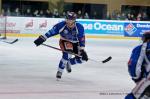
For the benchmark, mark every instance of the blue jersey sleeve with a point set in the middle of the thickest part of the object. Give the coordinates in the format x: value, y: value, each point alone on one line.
x: 135, y: 64
x: 81, y: 35
x: 55, y: 30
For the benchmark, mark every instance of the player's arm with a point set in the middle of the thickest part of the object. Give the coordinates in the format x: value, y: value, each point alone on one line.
x: 135, y: 64
x: 81, y: 38
x: 42, y: 38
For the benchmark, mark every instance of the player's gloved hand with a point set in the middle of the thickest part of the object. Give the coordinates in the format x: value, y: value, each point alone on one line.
x: 84, y: 55
x: 39, y: 40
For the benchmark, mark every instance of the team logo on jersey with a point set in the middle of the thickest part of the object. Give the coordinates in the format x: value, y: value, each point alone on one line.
x: 130, y: 29
x: 65, y: 31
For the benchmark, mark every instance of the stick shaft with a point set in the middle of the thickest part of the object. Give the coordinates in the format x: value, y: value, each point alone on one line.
x: 61, y: 50
x: 104, y: 61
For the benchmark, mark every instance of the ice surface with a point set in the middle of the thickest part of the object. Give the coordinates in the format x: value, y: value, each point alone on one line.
x: 28, y: 72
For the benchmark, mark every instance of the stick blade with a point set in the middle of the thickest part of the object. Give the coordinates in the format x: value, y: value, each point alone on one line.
x: 14, y: 41
x: 106, y: 60
x: 10, y: 42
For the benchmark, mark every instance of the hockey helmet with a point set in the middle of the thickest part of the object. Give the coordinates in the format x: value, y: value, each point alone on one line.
x: 71, y: 16
x: 146, y: 36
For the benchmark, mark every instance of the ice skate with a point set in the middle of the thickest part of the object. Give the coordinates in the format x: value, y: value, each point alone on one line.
x: 68, y: 68
x: 58, y: 75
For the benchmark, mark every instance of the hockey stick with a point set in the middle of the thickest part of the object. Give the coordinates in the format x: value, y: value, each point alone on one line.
x: 10, y: 42
x: 103, y: 61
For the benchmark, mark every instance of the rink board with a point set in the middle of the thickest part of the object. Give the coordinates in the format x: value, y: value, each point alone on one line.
x: 33, y: 27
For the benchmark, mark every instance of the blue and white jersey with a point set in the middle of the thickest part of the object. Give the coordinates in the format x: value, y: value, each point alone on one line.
x: 139, y: 63
x: 73, y: 35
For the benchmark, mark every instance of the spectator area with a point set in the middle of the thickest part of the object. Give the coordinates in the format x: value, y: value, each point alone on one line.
x: 83, y: 10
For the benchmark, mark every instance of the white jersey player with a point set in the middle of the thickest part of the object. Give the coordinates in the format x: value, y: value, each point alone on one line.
x: 139, y: 69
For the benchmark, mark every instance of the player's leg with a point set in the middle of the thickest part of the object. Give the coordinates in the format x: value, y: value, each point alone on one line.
x: 143, y: 95
x: 75, y: 60
x: 146, y: 93
x: 67, y: 46
x: 130, y: 96
x: 62, y: 64
x: 68, y: 67
x: 142, y: 89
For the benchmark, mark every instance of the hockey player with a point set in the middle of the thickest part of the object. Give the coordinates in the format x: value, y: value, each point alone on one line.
x: 139, y: 69
x: 72, y: 39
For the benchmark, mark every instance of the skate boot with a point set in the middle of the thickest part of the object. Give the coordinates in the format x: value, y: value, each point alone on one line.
x: 68, y: 68
x: 58, y: 75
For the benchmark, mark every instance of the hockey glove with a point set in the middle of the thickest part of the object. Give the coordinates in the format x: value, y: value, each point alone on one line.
x: 39, y: 40
x: 84, y: 55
